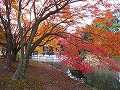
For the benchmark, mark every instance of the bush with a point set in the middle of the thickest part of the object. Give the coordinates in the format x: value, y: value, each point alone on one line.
x: 77, y: 73
x: 103, y: 80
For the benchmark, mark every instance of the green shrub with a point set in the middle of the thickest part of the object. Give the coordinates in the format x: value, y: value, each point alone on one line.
x: 77, y: 73
x: 103, y: 80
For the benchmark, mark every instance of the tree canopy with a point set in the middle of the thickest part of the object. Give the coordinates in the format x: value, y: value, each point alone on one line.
x: 27, y: 24
x: 92, y: 44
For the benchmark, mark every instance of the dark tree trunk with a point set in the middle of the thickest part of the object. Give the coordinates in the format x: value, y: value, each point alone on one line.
x: 14, y: 55
x: 8, y: 61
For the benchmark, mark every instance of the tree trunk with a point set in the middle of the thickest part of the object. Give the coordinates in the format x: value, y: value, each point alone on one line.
x: 14, y: 55
x: 8, y: 61
x: 20, y: 72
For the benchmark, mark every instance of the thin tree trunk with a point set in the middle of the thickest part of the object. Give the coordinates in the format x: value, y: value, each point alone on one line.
x: 8, y: 61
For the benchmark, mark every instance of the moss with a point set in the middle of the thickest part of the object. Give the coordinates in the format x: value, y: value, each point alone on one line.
x: 29, y: 83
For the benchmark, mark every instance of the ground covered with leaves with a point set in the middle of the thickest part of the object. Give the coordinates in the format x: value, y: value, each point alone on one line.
x: 39, y: 76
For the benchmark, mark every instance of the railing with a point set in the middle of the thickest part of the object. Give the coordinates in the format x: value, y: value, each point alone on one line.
x: 45, y: 58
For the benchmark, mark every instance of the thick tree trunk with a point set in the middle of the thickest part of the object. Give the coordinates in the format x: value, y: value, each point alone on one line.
x: 20, y: 72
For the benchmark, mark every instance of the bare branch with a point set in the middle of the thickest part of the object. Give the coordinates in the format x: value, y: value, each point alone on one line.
x: 26, y: 4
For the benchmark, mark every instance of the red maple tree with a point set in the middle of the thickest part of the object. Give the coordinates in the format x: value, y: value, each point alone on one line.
x: 101, y: 45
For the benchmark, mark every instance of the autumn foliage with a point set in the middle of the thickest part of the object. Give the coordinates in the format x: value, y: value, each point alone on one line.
x: 107, y: 40
x: 107, y: 19
x: 27, y: 24
x: 101, y: 44
x: 74, y: 58
x: 2, y: 35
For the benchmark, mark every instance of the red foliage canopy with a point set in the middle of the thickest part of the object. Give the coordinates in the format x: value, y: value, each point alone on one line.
x: 76, y: 50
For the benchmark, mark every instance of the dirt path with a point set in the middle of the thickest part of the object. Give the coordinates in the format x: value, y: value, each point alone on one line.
x: 53, y: 79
